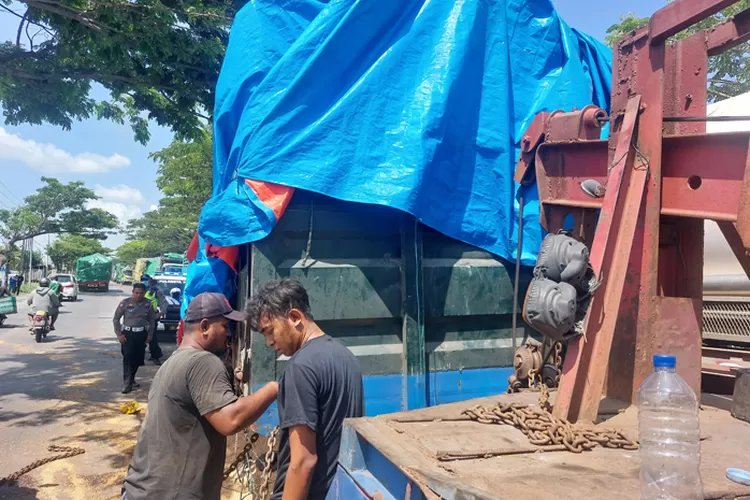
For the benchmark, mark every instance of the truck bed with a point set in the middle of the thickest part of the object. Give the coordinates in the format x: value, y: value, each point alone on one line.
x: 395, y: 456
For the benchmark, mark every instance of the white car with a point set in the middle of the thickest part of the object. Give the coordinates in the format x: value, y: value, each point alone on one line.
x: 68, y: 286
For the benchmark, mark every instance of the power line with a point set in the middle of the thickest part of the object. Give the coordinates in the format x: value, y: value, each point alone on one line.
x: 13, y: 196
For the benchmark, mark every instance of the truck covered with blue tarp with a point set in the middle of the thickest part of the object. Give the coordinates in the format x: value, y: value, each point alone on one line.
x: 367, y: 147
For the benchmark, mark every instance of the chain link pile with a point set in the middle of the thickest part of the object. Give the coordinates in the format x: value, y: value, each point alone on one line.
x: 64, y: 452
x: 543, y: 429
x: 245, y: 467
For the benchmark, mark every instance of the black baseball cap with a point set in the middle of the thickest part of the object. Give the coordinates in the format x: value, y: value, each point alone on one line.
x: 211, y: 305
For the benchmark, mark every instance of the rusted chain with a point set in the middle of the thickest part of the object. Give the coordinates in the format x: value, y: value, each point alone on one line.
x: 242, y: 455
x: 249, y: 466
x: 265, y: 486
x: 543, y: 429
x: 64, y: 452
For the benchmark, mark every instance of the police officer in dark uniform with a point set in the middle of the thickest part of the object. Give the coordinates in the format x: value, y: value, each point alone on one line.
x: 138, y: 320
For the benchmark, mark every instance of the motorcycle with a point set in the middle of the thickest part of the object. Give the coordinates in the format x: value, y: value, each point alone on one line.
x: 40, y: 325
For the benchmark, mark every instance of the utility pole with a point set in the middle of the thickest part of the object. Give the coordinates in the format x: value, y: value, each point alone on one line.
x: 31, y: 257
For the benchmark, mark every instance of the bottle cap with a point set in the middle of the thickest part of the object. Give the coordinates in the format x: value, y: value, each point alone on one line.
x: 664, y: 361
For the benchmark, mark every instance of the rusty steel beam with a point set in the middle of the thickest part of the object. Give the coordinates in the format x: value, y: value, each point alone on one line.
x: 682, y: 14
x: 729, y: 34
x: 610, y: 253
x: 703, y: 175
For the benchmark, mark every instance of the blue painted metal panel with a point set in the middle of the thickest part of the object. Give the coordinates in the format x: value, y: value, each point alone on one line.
x: 382, y: 392
x: 343, y: 487
x: 371, y: 472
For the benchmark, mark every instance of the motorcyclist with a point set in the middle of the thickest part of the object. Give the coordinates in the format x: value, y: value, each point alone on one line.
x: 176, y: 293
x: 44, y: 299
x: 54, y: 285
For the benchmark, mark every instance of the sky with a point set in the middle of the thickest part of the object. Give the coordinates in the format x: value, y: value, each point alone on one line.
x: 104, y: 155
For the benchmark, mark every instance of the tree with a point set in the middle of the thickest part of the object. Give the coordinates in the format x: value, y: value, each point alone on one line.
x: 18, y: 259
x: 70, y: 247
x: 56, y: 208
x: 131, y: 251
x: 729, y: 72
x: 184, y: 177
x: 158, y: 57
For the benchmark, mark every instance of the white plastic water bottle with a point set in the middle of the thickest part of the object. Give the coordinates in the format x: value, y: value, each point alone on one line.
x: 669, y: 435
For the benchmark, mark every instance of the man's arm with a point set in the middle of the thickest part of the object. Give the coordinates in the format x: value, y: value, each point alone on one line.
x: 151, y: 324
x: 298, y: 398
x: 210, y: 388
x: 116, y: 319
x: 30, y: 300
x: 162, y: 303
x: 304, y: 457
x: 239, y: 415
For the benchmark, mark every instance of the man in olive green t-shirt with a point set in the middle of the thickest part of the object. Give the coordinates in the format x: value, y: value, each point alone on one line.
x: 192, y: 407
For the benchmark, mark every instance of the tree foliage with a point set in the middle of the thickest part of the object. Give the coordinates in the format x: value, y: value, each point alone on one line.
x: 160, y: 58
x: 729, y: 72
x: 131, y: 251
x: 70, y: 247
x: 184, y: 177
x: 17, y: 260
x: 55, y: 208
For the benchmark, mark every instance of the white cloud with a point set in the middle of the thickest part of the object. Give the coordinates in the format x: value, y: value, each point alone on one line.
x: 120, y: 192
x: 49, y: 158
x: 122, y: 211
x: 153, y: 207
x: 124, y: 202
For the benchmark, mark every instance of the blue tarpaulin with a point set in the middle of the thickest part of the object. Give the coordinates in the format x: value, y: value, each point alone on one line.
x: 418, y: 105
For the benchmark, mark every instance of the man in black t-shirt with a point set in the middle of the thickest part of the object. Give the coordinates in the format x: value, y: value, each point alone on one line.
x: 320, y: 387
x: 192, y: 407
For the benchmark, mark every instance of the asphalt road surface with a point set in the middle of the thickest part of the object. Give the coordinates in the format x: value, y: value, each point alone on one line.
x: 66, y: 391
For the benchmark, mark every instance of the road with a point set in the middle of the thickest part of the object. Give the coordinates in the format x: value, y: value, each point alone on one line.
x: 66, y: 391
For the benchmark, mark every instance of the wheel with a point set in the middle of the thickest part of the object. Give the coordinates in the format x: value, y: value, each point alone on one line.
x: 38, y: 334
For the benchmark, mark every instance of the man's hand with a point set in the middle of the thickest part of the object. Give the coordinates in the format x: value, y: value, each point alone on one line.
x: 121, y: 338
x: 148, y: 339
x: 236, y: 416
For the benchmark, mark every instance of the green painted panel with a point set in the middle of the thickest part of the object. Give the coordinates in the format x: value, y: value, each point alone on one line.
x: 404, y: 298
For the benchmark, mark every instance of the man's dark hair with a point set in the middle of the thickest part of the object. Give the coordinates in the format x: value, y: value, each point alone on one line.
x: 276, y: 299
x: 139, y: 285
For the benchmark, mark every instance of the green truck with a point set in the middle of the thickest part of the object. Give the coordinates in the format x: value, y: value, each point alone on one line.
x: 428, y: 317
x: 93, y: 272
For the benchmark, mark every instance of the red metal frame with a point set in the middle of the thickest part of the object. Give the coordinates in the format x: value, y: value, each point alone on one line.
x: 662, y: 180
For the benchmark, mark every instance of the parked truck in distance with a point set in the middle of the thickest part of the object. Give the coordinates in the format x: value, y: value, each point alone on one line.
x: 93, y: 272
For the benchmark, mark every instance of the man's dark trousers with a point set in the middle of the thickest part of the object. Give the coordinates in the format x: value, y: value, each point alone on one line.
x: 153, y: 347
x: 133, y: 354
